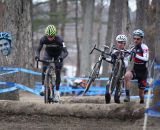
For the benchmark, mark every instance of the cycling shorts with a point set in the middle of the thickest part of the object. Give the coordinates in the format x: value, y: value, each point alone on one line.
x: 141, y: 76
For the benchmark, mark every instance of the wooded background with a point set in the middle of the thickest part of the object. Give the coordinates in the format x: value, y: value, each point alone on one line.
x: 81, y: 23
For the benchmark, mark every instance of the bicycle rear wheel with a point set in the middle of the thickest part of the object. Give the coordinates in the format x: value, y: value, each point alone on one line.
x: 93, y: 76
x: 116, y: 75
x: 49, y: 85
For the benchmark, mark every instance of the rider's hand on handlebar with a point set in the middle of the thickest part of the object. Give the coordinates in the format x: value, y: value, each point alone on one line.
x: 60, y: 59
x: 133, y: 52
x: 37, y: 58
x: 113, y: 56
x: 103, y: 57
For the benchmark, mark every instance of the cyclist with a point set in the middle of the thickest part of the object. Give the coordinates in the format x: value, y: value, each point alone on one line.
x: 140, y: 56
x: 120, y: 44
x: 54, y: 48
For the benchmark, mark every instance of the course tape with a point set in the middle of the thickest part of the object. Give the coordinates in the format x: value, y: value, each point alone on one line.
x: 92, y: 91
x: 9, y: 72
x: 14, y: 70
x: 14, y: 86
x: 85, y: 78
x: 157, y: 66
x: 152, y: 110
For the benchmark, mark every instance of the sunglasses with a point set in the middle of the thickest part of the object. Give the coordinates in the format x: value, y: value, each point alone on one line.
x: 50, y: 36
x: 137, y: 39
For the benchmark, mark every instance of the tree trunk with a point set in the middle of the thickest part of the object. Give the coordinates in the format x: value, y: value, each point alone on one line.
x: 53, y: 12
x: 99, y: 16
x: 117, y: 19
x: 17, y: 20
x: 109, y: 33
x: 64, y: 14
x: 156, y: 91
x: 150, y: 16
x: 77, y: 40
x: 99, y: 26
x: 150, y: 29
x: 140, y: 14
x: 87, y: 37
x: 126, y: 23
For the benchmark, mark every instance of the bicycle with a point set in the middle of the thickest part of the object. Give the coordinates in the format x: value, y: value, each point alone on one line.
x: 95, y: 71
x: 49, y: 81
x: 116, y: 81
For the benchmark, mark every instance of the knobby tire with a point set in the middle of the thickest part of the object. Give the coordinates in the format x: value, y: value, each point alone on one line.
x: 48, y: 81
x: 93, y: 76
x: 116, y: 75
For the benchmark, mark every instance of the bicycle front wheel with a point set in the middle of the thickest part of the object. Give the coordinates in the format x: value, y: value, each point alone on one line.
x: 117, y: 92
x: 116, y: 75
x: 49, y: 85
x: 93, y: 76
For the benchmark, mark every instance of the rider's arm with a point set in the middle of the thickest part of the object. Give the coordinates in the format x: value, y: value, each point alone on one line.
x: 39, y: 47
x: 126, y: 59
x: 145, y: 56
x: 64, y: 52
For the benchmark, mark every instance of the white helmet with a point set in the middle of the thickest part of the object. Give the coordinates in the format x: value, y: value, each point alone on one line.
x: 121, y: 38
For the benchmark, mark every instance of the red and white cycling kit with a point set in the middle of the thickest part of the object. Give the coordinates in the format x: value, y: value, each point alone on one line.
x: 140, y: 60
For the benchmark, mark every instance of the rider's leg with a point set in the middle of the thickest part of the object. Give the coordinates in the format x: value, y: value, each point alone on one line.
x: 141, y: 95
x: 141, y: 85
x: 128, y: 76
x: 142, y: 82
x: 58, y: 74
x: 58, y: 80
x: 44, y: 68
x: 43, y: 78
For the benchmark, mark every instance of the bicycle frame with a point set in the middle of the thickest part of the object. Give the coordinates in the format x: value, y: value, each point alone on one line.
x: 49, y: 80
x: 95, y: 71
x: 118, y: 71
x: 97, y: 67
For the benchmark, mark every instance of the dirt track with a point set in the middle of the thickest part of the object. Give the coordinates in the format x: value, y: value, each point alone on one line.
x: 74, y: 113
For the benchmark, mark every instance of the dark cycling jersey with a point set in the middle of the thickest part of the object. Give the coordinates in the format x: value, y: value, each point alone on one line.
x: 52, y: 48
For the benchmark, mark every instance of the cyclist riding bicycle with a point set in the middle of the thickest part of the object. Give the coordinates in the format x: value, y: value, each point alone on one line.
x: 120, y: 44
x: 140, y: 56
x: 54, y: 48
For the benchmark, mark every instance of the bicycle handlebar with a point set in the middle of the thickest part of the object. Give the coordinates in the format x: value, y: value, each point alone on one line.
x: 124, y: 50
x: 94, y: 48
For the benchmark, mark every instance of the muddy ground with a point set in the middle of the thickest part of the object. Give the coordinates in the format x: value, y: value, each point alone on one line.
x: 73, y: 113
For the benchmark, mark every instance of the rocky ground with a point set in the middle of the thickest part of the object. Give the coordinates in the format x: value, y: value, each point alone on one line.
x: 73, y: 113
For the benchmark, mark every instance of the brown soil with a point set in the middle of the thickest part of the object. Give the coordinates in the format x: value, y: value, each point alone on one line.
x: 73, y: 113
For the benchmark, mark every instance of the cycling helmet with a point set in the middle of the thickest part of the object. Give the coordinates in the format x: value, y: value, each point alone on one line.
x: 5, y: 35
x: 138, y: 32
x: 121, y: 38
x: 50, y: 30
